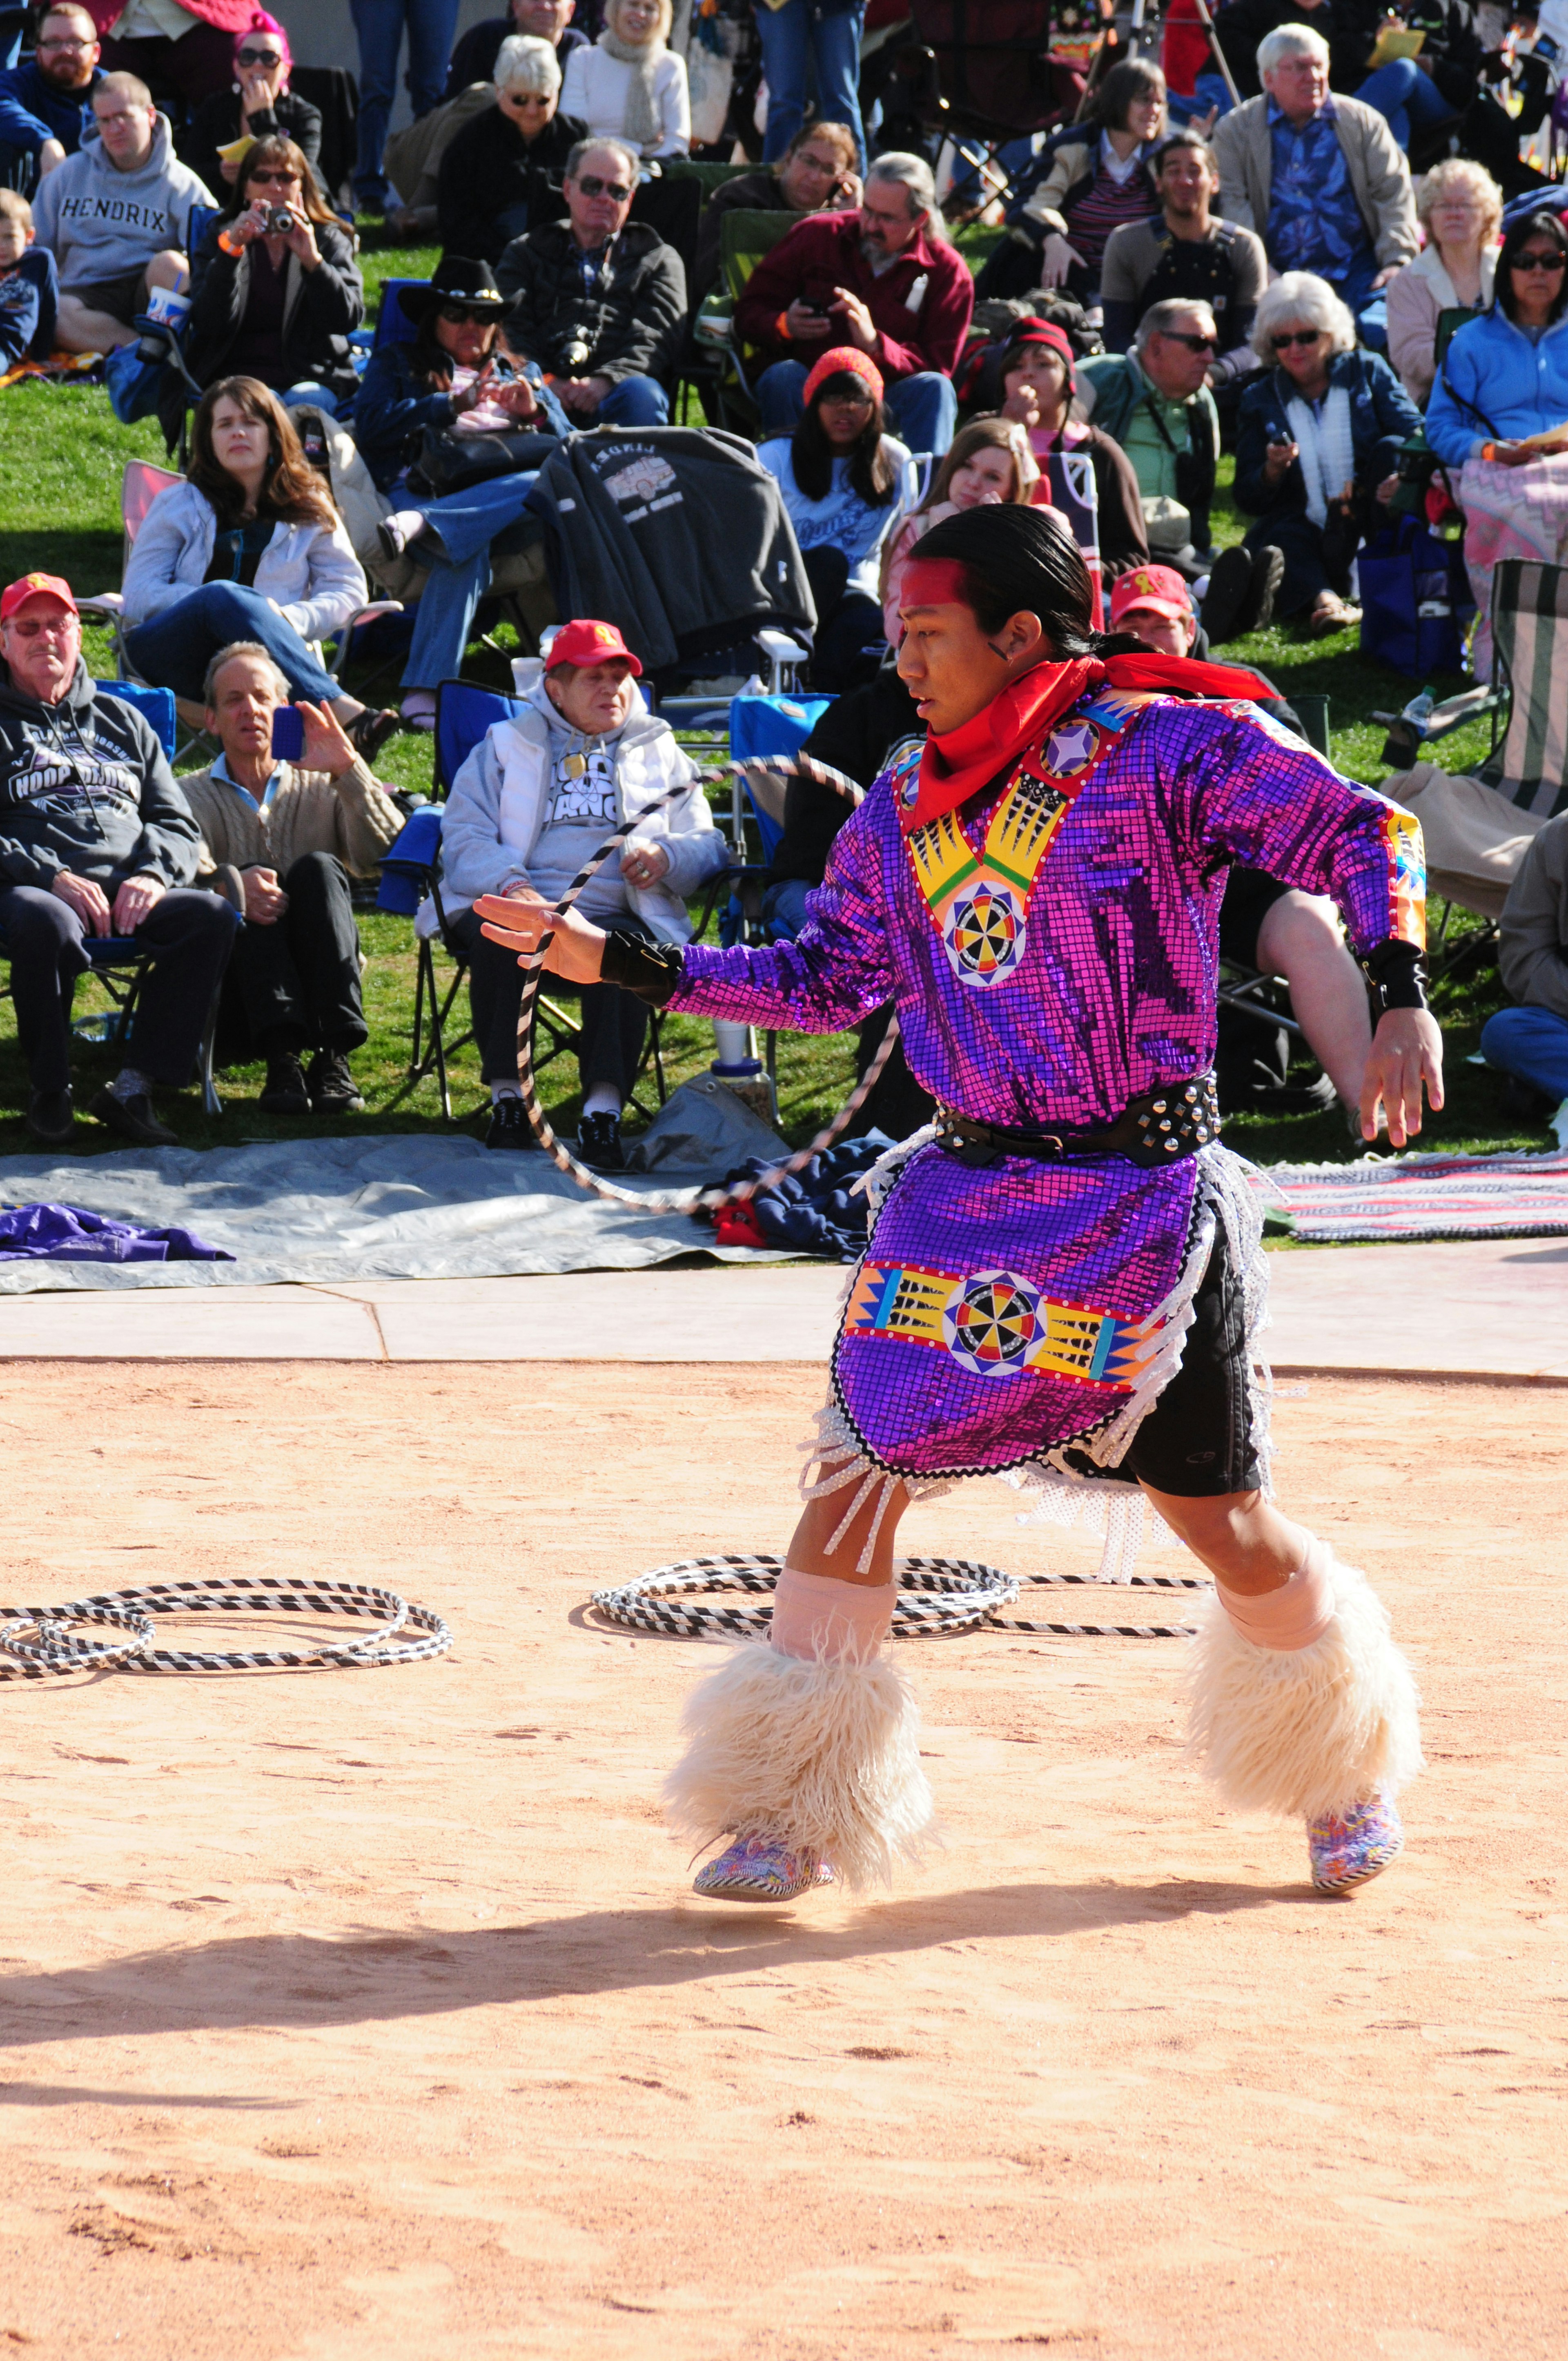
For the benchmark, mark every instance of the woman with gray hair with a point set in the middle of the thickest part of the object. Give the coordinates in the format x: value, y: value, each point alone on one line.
x: 631, y: 85
x: 509, y: 160
x: 1317, y: 443
x: 1460, y: 206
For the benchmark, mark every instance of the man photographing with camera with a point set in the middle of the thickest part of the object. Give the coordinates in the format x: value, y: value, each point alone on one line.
x: 598, y: 301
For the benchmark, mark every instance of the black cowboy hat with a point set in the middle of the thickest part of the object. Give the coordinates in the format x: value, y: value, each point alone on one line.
x: 456, y: 280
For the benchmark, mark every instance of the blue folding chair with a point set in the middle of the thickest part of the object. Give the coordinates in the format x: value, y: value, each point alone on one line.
x: 392, y: 326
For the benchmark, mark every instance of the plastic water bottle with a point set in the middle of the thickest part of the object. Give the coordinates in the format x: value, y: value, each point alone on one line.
x: 1419, y: 711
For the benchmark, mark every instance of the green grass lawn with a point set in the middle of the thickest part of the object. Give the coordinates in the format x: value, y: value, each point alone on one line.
x: 61, y: 453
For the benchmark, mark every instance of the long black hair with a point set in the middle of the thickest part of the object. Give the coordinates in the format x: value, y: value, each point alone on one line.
x: 1017, y: 561
x: 1541, y: 225
x: 870, y: 470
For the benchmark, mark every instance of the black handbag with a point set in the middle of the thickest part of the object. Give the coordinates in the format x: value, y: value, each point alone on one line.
x: 449, y: 462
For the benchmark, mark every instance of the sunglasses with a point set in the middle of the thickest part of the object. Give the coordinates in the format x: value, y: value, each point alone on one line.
x: 592, y: 186
x: 849, y: 401
x: 1302, y: 336
x: 278, y: 180
x: 1537, y: 262
x: 259, y: 58
x: 457, y: 313
x: 1193, y: 344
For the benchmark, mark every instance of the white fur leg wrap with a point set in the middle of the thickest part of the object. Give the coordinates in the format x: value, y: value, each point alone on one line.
x: 1309, y: 1731
x: 821, y: 1756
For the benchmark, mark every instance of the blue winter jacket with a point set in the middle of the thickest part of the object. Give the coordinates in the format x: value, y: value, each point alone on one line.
x: 1382, y: 417
x: 32, y: 110
x: 1495, y: 386
x: 396, y: 404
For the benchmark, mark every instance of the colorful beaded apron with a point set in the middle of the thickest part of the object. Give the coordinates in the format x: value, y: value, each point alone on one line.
x: 953, y: 1354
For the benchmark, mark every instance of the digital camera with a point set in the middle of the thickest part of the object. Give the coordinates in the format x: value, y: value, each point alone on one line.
x: 278, y: 220
x: 575, y: 352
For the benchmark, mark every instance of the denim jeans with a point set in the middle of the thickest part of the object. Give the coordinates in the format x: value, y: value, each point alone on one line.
x: 1532, y: 1043
x: 308, y: 393
x: 924, y: 408
x: 1368, y: 309
x: 635, y: 402
x: 380, y: 25
x: 175, y: 648
x: 459, y: 575
x: 1406, y: 98
x: 784, y: 906
x: 794, y: 39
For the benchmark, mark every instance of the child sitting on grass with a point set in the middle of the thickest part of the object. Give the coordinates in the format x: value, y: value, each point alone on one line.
x: 29, y: 287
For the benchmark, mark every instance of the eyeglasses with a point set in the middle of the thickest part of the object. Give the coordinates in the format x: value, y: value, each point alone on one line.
x: 1537, y: 262
x: 849, y: 401
x: 259, y: 58
x: 1193, y: 344
x: 592, y: 186
x: 456, y: 314
x: 70, y: 41
x: 1302, y: 336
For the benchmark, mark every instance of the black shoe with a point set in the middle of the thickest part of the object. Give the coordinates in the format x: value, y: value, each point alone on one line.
x: 332, y: 1087
x: 598, y: 1143
x: 51, y: 1117
x: 284, y: 1091
x: 369, y: 731
x: 1229, y: 592
x: 1522, y: 1102
x: 1268, y: 574
x: 1294, y: 1098
x: 509, y: 1125
x: 133, y: 1119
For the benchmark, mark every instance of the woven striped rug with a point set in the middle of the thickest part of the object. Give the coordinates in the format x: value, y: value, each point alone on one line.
x: 1426, y: 1196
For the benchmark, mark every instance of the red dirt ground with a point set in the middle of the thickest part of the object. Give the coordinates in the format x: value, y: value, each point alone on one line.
x: 369, y: 2017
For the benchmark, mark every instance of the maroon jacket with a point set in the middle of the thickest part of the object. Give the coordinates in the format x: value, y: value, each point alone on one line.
x: 822, y: 252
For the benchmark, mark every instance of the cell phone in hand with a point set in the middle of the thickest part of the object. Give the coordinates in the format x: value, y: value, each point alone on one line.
x: 288, y: 734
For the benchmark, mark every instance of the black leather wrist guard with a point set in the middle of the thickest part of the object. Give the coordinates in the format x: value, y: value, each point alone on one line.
x: 652, y: 970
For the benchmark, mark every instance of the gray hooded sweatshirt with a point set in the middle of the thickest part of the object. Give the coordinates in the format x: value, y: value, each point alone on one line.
x: 100, y: 223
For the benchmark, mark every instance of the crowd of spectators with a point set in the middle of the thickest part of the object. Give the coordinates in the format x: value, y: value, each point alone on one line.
x: 1303, y: 264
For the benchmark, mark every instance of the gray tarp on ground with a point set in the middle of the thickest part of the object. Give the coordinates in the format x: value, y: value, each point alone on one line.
x: 397, y: 1207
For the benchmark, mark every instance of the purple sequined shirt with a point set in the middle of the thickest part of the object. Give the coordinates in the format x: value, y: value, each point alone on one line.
x: 1092, y: 985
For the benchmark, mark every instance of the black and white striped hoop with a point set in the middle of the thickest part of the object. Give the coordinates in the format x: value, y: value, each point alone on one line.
x: 936, y: 1597
x: 681, y: 1201
x: 35, y: 1641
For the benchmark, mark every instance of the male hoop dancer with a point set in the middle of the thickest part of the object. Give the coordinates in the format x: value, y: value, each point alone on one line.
x: 1063, y: 1283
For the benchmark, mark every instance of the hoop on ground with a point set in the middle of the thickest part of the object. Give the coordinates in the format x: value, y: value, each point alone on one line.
x: 404, y: 1633
x: 681, y: 1201
x: 936, y: 1597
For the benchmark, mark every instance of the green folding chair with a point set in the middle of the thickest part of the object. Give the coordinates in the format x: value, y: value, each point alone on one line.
x: 744, y: 239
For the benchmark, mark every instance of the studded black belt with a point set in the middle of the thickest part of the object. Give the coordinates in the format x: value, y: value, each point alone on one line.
x: 1159, y: 1128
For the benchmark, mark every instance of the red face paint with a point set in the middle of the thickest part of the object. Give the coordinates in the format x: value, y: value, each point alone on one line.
x: 935, y: 582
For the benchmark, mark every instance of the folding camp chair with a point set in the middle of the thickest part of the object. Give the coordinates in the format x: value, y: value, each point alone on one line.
x: 118, y: 961
x: 744, y: 239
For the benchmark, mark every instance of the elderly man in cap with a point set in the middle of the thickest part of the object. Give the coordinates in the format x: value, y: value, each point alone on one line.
x: 95, y: 839
x: 531, y: 805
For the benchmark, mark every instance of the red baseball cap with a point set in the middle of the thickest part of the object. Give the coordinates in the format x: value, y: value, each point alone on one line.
x: 586, y: 643
x: 1158, y: 588
x: 35, y: 585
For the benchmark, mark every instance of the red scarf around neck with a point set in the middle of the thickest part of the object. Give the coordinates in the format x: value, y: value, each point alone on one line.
x: 956, y: 766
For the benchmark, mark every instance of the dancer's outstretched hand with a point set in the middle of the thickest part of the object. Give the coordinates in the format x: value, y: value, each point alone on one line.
x: 1407, y: 1050
x: 577, y: 949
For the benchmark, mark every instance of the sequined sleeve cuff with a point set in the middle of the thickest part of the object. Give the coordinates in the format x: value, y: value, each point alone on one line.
x: 1395, y: 974
x: 652, y: 970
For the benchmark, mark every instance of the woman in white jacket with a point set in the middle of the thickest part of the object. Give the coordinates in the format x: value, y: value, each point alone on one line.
x: 629, y: 85
x: 249, y: 547
x: 530, y: 806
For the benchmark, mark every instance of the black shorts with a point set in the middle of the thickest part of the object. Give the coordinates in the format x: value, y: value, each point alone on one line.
x: 1195, y: 1442
x: 1250, y: 895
